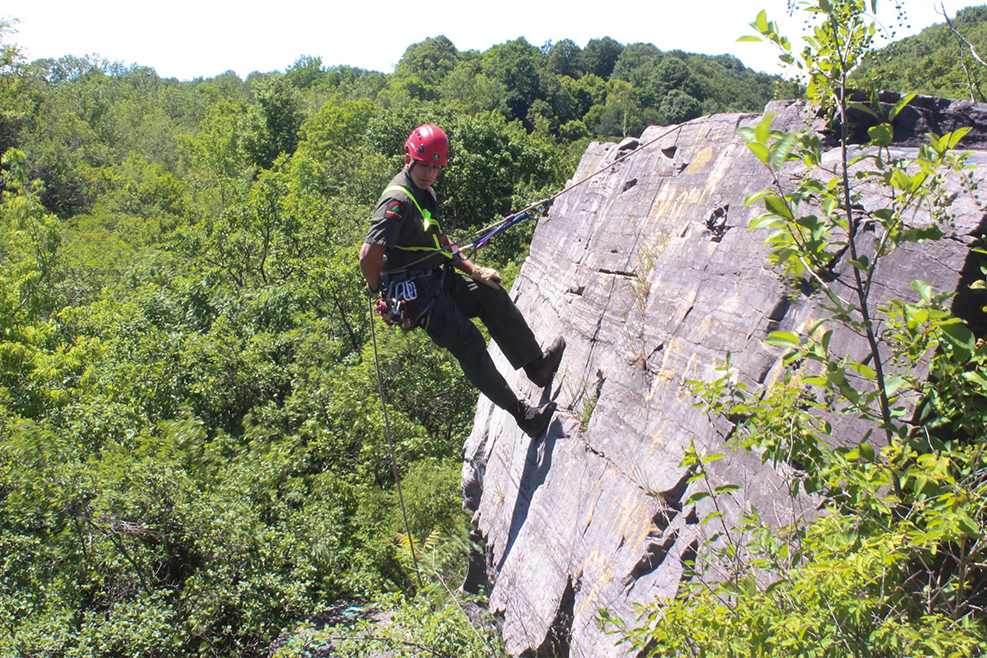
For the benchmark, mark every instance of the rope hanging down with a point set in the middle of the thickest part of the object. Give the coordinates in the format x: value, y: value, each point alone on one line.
x: 390, y: 443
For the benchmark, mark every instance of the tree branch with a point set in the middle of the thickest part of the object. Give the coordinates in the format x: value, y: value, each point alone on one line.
x: 973, y: 84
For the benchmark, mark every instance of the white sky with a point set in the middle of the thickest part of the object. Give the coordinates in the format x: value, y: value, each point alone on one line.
x: 186, y: 39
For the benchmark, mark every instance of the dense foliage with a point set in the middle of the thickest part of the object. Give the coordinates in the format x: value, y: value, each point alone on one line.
x: 882, y: 553
x: 191, y: 455
x: 944, y: 60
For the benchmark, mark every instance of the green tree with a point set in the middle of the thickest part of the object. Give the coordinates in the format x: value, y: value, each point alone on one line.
x: 678, y: 106
x: 933, y: 62
x: 218, y: 156
x: 516, y: 65
x: 622, y: 115
x: 587, y: 91
x: 11, y: 88
x: 470, y: 90
x: 673, y: 73
x: 430, y: 60
x: 305, y: 73
x: 279, y: 119
x: 600, y: 56
x: 563, y: 59
x: 637, y: 63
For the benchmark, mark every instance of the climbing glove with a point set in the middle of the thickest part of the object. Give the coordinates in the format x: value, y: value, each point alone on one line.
x: 486, y: 276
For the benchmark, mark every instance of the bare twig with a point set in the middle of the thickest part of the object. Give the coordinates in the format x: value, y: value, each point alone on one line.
x: 971, y: 82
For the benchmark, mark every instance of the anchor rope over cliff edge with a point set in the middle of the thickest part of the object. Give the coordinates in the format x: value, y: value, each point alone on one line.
x: 481, y: 237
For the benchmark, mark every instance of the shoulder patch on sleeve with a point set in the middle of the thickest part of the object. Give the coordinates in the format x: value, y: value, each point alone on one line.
x: 394, y: 210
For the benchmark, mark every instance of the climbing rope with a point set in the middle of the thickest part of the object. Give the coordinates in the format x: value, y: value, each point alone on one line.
x: 481, y: 237
x: 390, y: 443
x: 478, y: 240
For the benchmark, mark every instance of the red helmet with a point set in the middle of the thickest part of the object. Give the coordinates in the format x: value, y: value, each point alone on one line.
x: 428, y: 144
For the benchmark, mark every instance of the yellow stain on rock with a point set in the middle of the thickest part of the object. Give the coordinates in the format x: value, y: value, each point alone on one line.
x: 657, y: 440
x: 683, y: 392
x: 664, y: 374
x: 599, y: 563
x: 670, y: 206
x: 594, y: 498
x: 634, y: 521
x: 699, y: 160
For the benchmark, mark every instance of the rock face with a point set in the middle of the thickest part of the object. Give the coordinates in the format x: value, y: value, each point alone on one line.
x: 650, y: 273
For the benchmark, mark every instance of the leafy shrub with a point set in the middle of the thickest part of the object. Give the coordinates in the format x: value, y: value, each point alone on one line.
x: 892, y: 565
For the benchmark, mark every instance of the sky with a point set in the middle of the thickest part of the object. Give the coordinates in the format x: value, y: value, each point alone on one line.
x: 187, y: 39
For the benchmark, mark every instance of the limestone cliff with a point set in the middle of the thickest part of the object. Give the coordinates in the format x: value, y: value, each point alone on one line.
x: 650, y: 273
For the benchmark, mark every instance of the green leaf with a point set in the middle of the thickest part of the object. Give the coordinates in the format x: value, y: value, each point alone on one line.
x: 959, y: 334
x: 867, y: 451
x: 880, y: 135
x: 696, y: 497
x: 863, y: 108
x: 862, y: 263
x: 778, y: 206
x: 921, y: 234
x: 923, y: 289
x: 969, y: 526
x: 899, y: 106
x: 864, y: 370
x: 957, y: 135
x: 754, y: 196
x: 782, y: 150
x: 763, y: 128
x: 783, y: 339
x: 761, y: 22
x: 761, y: 151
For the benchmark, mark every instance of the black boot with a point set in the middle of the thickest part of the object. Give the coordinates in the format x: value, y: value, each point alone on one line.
x: 533, y: 421
x: 541, y: 370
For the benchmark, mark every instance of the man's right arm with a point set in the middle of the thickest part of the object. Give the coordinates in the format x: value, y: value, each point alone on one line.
x: 371, y: 260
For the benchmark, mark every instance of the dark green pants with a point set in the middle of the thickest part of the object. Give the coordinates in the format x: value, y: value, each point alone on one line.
x: 449, y: 326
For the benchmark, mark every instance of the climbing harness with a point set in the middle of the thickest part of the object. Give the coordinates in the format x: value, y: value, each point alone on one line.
x: 401, y: 288
x: 390, y: 443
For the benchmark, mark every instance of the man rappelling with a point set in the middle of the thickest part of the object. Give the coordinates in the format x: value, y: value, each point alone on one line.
x: 407, y: 256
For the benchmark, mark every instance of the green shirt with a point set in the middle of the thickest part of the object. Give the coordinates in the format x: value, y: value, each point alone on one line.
x: 406, y: 221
